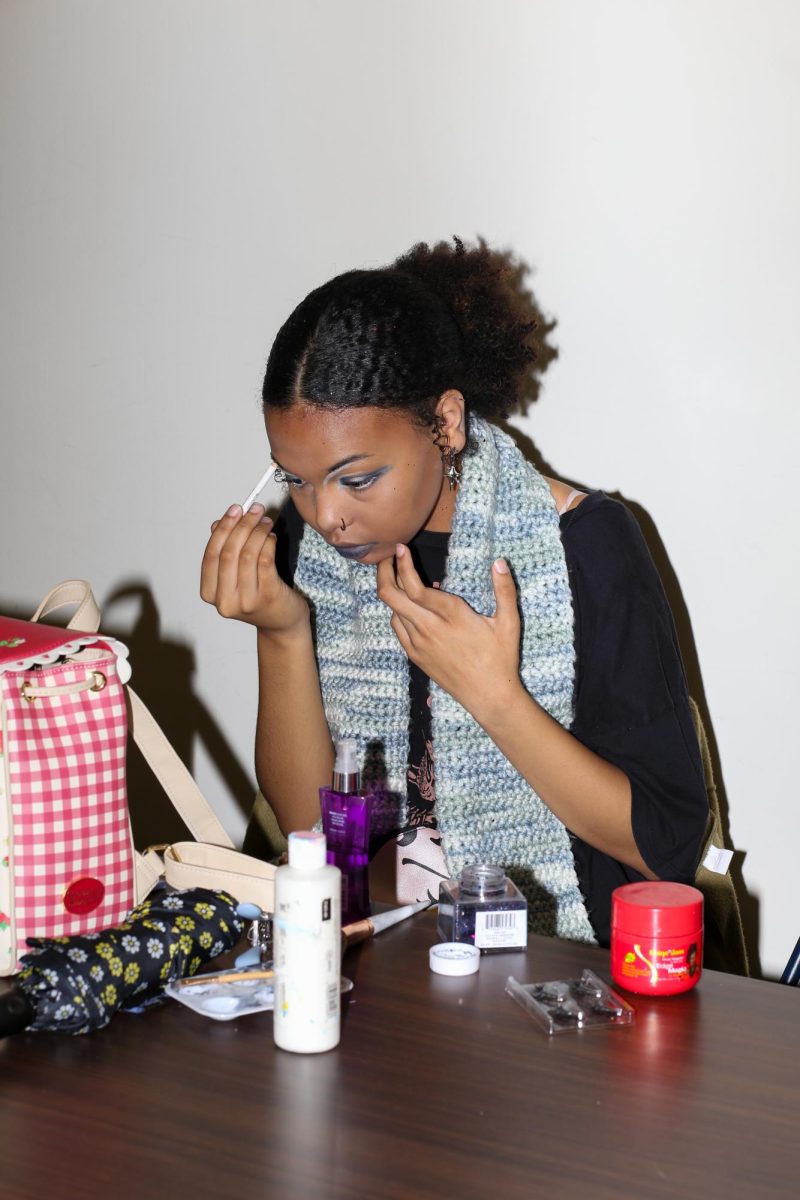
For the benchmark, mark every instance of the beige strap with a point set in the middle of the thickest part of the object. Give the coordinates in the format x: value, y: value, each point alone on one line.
x: 86, y: 617
x: 189, y: 802
x: 93, y: 683
x: 571, y: 496
x: 192, y: 864
x: 149, y: 869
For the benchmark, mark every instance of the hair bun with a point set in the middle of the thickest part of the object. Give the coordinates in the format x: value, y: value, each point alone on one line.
x: 503, y: 333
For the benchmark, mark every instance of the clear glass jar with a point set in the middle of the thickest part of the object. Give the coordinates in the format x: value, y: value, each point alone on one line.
x: 485, y: 909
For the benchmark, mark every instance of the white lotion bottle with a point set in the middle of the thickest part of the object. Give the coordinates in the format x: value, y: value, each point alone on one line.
x: 307, y: 948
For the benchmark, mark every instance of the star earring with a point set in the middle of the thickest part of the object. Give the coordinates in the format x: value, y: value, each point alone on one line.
x: 449, y: 466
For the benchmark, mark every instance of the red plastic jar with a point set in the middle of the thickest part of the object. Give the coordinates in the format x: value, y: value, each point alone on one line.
x: 656, y: 937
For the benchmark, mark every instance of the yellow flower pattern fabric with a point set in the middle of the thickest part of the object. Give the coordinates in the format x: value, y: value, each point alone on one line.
x: 76, y: 984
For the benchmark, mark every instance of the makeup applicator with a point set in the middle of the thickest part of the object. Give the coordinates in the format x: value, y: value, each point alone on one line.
x: 262, y: 483
x: 360, y: 931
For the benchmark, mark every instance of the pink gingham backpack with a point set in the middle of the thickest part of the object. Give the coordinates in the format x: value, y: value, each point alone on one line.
x: 67, y: 863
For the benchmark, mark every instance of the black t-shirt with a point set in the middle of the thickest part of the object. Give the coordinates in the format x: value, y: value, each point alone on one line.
x: 631, y: 700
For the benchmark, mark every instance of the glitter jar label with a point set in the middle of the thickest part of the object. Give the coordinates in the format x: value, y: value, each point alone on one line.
x: 501, y: 930
x: 484, y: 909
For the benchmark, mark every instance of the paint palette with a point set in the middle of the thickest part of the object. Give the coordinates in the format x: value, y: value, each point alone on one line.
x: 226, y: 995
x: 567, y: 1005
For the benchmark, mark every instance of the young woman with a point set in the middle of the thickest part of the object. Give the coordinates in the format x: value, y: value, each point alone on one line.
x: 499, y: 645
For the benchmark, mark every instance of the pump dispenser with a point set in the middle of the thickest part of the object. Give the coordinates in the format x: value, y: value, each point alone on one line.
x: 345, y: 823
x: 346, y: 775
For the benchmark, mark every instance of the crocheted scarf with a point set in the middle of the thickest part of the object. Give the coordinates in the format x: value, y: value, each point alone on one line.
x: 486, y: 811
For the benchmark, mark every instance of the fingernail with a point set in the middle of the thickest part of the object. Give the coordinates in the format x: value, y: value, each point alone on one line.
x: 235, y: 510
x: 501, y: 566
x: 256, y: 508
x: 400, y: 549
x: 265, y: 521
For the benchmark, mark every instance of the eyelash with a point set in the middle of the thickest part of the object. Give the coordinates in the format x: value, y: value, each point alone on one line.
x: 360, y: 485
x: 354, y: 485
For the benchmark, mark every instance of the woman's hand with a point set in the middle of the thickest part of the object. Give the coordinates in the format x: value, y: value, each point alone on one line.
x: 239, y: 577
x: 474, y: 658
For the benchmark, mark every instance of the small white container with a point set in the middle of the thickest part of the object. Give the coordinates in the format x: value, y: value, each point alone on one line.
x: 307, y: 948
x: 454, y: 958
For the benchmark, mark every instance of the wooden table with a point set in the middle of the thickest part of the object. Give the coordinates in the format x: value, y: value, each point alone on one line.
x: 440, y: 1087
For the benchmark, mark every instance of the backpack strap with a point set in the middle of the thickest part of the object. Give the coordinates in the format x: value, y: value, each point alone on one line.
x: 73, y: 591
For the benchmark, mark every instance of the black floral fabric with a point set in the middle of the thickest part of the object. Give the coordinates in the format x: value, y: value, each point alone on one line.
x: 76, y: 984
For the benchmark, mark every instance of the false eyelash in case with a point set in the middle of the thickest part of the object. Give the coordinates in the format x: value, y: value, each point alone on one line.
x: 566, y: 1005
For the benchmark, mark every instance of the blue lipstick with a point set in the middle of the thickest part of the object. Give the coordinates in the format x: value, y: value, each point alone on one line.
x: 355, y: 551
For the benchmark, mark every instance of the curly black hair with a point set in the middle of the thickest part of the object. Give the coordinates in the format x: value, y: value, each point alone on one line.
x: 447, y: 316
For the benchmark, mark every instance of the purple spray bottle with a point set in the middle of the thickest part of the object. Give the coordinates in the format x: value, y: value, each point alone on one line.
x: 345, y: 823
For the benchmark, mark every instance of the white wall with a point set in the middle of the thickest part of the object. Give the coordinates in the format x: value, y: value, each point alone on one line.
x: 176, y: 176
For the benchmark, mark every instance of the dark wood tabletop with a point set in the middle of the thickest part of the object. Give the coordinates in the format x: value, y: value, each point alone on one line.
x: 439, y: 1087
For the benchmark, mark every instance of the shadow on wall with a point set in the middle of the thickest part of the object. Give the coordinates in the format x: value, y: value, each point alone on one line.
x: 163, y: 674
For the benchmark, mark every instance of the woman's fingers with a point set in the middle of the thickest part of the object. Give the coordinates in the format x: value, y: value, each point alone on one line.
x: 407, y: 577
x: 220, y: 531
x: 240, y: 578
x: 393, y: 596
x: 234, y: 542
x: 506, y: 612
x: 401, y: 632
x: 386, y: 583
x: 401, y: 588
x: 266, y: 571
x: 462, y: 650
x: 209, y: 570
x: 231, y: 551
x: 256, y: 572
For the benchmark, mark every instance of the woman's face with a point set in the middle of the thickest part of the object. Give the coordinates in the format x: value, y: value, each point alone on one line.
x: 373, y: 469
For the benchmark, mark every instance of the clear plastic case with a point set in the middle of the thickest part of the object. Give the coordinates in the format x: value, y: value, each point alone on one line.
x: 566, y: 1005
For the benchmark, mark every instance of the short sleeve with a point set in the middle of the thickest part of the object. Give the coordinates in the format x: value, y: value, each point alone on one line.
x: 631, y: 699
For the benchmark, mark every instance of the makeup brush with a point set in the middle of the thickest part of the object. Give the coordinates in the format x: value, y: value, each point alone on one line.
x: 262, y: 483
x: 360, y: 931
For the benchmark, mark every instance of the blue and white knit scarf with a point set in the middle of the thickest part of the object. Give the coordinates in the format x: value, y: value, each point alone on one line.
x: 486, y: 811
